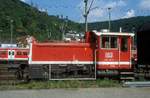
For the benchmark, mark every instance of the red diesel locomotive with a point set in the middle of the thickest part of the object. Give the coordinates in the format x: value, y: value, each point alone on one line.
x: 14, y: 54
x: 102, y: 54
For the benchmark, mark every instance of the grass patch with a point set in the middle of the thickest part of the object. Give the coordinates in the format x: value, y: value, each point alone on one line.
x: 62, y: 84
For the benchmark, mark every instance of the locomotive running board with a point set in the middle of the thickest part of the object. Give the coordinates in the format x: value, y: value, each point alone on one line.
x: 71, y: 78
x: 65, y: 79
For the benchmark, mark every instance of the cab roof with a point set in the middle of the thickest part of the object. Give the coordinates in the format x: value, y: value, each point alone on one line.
x: 114, y: 33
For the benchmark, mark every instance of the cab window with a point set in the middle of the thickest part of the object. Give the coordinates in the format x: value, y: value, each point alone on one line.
x: 109, y: 42
x: 124, y: 44
x: 13, y: 53
x: 9, y: 53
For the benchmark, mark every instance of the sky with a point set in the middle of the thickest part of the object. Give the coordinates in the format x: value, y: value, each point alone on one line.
x: 74, y: 9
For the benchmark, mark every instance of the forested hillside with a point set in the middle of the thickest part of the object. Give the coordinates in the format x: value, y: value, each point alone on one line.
x: 27, y: 20
x: 128, y: 25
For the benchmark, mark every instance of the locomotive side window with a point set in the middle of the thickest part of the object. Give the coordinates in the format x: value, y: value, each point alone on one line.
x: 108, y: 42
x: 22, y: 53
x: 19, y: 53
x: 3, y: 52
x: 124, y: 43
x: 25, y: 53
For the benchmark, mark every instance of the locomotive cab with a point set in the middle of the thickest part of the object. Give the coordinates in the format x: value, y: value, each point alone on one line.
x: 11, y: 54
x: 113, y: 52
x: 14, y: 54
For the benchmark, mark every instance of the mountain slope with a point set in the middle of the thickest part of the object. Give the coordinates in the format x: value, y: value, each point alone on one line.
x: 128, y: 25
x: 29, y: 20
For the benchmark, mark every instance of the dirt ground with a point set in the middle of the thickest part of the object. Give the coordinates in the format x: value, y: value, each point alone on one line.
x: 79, y: 93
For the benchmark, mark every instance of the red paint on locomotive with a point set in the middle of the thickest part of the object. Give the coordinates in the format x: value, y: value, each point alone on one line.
x: 109, y: 50
x: 14, y: 54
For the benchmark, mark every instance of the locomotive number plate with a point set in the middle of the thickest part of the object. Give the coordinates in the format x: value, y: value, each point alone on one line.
x: 109, y: 55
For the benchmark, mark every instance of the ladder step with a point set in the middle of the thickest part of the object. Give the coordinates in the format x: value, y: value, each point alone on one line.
x: 127, y: 78
x: 126, y: 73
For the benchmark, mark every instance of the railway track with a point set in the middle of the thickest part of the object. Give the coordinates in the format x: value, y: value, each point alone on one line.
x: 6, y: 76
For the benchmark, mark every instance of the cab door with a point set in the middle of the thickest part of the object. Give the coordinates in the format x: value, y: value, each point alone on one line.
x: 108, y: 54
x: 11, y: 54
x: 125, y: 52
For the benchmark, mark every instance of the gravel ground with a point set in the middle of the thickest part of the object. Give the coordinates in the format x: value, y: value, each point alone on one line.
x: 79, y: 93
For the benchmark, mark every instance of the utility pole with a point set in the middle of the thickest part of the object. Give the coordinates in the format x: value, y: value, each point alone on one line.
x: 62, y: 27
x: 0, y: 35
x: 109, y: 22
x: 66, y: 24
x: 11, y: 30
x: 47, y: 30
x: 86, y: 13
x: 31, y: 3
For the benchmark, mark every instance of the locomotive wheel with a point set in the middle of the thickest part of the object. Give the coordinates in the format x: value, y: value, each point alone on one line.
x: 23, y: 73
x: 46, y: 71
x: 19, y: 74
